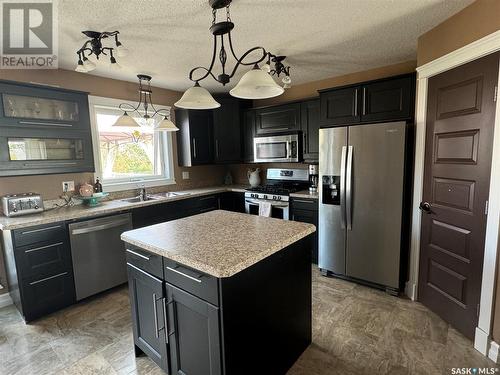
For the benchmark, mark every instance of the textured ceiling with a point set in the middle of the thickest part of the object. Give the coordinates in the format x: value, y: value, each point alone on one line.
x: 322, y: 38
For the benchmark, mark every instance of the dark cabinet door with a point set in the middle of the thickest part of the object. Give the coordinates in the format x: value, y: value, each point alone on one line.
x: 306, y: 211
x: 194, y: 334
x: 340, y: 107
x: 248, y: 134
x: 232, y: 201
x: 277, y: 119
x: 148, y: 320
x: 227, y: 131
x: 200, y: 129
x: 388, y: 100
x: 309, y: 123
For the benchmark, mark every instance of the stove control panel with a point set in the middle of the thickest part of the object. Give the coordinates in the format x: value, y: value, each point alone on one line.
x: 268, y: 197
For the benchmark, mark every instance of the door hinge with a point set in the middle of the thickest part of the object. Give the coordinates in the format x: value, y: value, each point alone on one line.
x: 486, y: 208
x: 477, y: 310
x: 495, y: 95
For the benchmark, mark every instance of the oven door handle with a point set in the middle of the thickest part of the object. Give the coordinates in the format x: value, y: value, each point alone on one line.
x: 257, y: 201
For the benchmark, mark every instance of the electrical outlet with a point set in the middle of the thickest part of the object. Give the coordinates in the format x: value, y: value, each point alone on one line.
x: 68, y: 186
x: 185, y: 175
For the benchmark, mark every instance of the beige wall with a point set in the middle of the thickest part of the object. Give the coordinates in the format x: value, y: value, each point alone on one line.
x: 51, y: 186
x: 310, y: 89
x: 472, y: 23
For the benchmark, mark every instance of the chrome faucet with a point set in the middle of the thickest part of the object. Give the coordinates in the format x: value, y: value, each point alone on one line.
x: 143, y: 194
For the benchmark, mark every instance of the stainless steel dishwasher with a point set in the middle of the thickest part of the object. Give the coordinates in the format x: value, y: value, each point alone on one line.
x: 98, y: 253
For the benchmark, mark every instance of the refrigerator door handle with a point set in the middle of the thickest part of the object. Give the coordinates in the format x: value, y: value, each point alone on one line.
x: 348, y: 189
x: 342, y: 186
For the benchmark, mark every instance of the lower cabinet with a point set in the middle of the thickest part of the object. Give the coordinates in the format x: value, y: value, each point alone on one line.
x: 194, y: 340
x: 306, y: 211
x: 147, y: 301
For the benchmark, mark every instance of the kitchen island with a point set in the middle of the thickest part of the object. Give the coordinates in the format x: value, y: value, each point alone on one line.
x: 221, y: 293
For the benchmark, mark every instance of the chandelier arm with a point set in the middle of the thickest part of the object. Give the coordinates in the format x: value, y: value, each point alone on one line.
x: 161, y: 112
x: 126, y: 107
x: 240, y: 60
x: 209, y: 70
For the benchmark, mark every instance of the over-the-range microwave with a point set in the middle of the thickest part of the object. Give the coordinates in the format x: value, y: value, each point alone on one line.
x: 277, y: 148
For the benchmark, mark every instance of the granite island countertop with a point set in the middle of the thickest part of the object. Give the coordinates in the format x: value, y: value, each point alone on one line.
x: 106, y: 207
x: 220, y: 243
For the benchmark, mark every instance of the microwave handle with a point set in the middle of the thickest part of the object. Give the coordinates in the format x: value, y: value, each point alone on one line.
x: 289, y: 149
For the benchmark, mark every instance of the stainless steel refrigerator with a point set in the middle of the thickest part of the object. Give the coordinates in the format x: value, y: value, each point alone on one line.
x: 362, y: 172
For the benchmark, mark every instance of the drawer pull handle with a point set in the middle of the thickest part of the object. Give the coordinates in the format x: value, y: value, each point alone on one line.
x: 48, y: 278
x: 155, y: 315
x: 183, y: 274
x: 145, y: 257
x: 41, y: 229
x: 45, y: 123
x: 43, y: 247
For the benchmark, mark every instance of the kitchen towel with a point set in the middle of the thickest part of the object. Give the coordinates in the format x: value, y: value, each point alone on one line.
x: 265, y: 209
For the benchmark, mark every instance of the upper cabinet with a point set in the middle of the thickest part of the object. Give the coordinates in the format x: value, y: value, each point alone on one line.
x: 43, y: 130
x: 194, y: 139
x: 227, y: 130
x: 248, y: 132
x: 33, y: 106
x: 277, y: 119
x: 309, y: 124
x: 389, y: 99
x: 340, y: 107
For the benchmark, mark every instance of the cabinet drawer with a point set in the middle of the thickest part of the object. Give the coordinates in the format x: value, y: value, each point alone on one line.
x: 40, y: 233
x: 208, y: 203
x: 195, y: 282
x: 305, y: 204
x: 146, y: 261
x: 48, y: 294
x: 43, y: 259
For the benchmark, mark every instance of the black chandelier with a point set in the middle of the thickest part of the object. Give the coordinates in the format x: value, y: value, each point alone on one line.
x: 148, y: 111
x: 255, y: 84
x: 94, y: 48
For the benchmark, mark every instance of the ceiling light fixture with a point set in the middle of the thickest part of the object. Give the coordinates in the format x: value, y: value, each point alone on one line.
x: 147, y: 119
x: 93, y: 49
x: 255, y: 84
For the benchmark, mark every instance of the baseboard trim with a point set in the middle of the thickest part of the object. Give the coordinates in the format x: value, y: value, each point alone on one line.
x: 5, y: 300
x: 411, y: 290
x: 494, y: 352
x: 481, y: 341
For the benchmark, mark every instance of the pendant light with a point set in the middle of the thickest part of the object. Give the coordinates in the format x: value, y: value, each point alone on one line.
x: 146, y: 118
x: 255, y: 84
x: 94, y: 48
x: 197, y: 97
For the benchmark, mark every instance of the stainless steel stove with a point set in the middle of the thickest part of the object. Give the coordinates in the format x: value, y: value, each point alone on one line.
x: 280, y: 183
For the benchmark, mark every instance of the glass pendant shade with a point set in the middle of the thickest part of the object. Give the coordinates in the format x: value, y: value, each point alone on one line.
x: 121, y: 51
x: 126, y: 121
x: 197, y: 97
x: 80, y: 67
x: 88, y: 65
x: 256, y: 84
x: 166, y: 125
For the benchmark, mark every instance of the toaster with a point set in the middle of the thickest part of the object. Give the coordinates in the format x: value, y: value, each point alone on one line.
x: 21, y: 204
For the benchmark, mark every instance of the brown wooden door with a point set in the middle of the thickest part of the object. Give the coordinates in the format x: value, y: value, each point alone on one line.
x: 460, y: 120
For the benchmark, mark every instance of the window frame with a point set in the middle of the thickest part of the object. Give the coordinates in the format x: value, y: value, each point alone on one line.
x: 166, y: 156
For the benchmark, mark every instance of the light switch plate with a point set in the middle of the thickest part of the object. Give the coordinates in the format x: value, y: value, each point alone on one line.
x: 185, y: 175
x: 68, y: 186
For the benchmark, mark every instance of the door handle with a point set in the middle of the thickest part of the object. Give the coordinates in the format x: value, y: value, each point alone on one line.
x: 426, y: 207
x: 348, y: 189
x: 155, y: 317
x: 165, y: 319
x: 194, y: 148
x: 342, y: 187
x: 96, y: 228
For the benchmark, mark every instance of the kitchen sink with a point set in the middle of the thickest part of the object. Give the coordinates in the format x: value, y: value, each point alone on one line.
x: 169, y: 194
x: 138, y: 199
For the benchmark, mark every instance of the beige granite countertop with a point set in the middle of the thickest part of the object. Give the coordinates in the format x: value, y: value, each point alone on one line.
x: 220, y: 243
x: 304, y: 194
x: 107, y: 207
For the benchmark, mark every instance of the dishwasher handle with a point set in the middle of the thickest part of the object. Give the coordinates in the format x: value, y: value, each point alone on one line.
x: 96, y: 228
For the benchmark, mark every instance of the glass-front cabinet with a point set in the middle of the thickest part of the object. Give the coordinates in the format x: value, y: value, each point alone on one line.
x: 43, y: 130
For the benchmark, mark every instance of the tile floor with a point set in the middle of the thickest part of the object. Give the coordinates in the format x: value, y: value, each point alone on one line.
x: 356, y: 330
